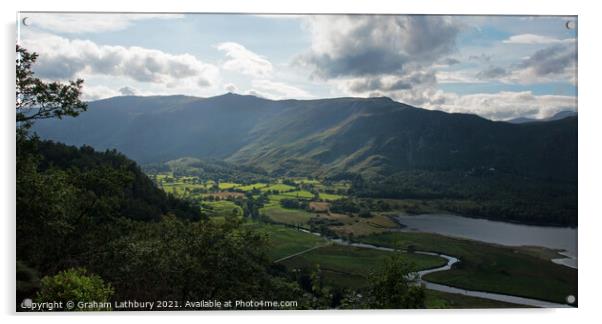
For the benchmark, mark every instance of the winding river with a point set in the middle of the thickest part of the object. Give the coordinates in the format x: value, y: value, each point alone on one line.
x: 449, y: 289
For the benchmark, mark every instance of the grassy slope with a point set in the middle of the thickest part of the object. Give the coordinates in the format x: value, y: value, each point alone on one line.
x: 489, y: 267
x: 285, y: 241
x: 346, y: 266
x: 287, y: 216
x: 326, y: 196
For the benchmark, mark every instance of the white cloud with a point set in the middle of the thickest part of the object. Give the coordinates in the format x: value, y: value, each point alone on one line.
x: 496, y: 106
x: 458, y: 76
x: 277, y: 90
x: 77, y: 23
x: 535, y: 39
x: 390, y: 82
x: 417, y: 89
x: 242, y: 60
x: 507, y: 105
x: 62, y: 58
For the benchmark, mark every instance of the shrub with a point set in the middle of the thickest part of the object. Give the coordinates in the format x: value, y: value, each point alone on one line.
x: 75, y: 285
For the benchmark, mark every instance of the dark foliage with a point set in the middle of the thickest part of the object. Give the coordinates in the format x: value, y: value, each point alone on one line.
x: 141, y: 199
x: 485, y: 193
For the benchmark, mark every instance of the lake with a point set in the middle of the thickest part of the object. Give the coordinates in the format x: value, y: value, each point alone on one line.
x: 561, y: 238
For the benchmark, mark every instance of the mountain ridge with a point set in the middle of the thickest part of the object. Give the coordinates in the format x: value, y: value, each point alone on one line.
x: 557, y: 116
x: 369, y: 136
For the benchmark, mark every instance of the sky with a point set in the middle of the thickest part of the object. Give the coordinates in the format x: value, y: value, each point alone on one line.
x: 498, y: 67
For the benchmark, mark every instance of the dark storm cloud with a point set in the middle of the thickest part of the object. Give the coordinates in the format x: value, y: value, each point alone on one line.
x: 359, y: 46
x: 551, y: 60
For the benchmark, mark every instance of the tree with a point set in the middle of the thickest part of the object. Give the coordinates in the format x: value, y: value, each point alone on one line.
x: 75, y: 285
x: 36, y: 99
x: 395, y: 285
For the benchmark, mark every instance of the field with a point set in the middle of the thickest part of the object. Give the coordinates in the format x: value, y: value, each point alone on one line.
x: 488, y: 267
x: 252, y: 186
x: 227, y: 185
x: 286, y: 241
x: 304, y: 194
x: 358, y: 226
x: 306, y: 181
x: 278, y: 187
x: 327, y: 196
x: 287, y: 216
x: 225, y: 194
x: 347, y: 266
x: 221, y: 208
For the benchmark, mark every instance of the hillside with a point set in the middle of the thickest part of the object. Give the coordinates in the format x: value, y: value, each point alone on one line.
x: 320, y: 137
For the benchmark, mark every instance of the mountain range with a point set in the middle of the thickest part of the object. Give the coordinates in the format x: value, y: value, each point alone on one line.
x: 557, y: 116
x: 368, y: 136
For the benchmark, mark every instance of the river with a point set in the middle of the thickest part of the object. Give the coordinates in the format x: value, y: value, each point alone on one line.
x: 449, y: 289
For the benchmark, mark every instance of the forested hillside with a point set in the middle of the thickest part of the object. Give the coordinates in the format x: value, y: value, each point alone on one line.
x: 515, y: 172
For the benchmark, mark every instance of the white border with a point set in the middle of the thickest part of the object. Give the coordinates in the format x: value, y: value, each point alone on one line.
x: 589, y: 156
